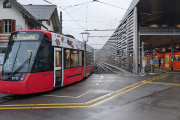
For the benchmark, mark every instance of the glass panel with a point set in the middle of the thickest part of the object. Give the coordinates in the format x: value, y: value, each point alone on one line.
x: 58, y: 77
x: 6, y: 28
x: 74, y: 59
x: 177, y: 58
x: 18, y: 54
x: 58, y: 58
x: 67, y: 59
x: 43, y: 61
x: 83, y: 58
x: 80, y: 59
x: 88, y: 59
x: 9, y: 29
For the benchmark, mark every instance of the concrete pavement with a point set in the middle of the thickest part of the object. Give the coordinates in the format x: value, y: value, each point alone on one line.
x: 106, y: 96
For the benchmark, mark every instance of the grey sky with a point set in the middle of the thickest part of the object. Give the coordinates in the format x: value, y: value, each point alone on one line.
x: 99, y: 16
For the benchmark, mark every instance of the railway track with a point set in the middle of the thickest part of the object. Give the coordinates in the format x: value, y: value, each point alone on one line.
x: 104, y: 68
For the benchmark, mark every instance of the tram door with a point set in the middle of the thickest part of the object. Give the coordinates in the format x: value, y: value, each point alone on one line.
x: 57, y: 67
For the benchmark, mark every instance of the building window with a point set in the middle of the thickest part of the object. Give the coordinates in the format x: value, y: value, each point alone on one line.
x: 7, y: 4
x: 7, y: 26
x: 30, y: 26
x: 48, y: 22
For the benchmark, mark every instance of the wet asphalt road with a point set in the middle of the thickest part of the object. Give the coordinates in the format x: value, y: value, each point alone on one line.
x: 103, y: 95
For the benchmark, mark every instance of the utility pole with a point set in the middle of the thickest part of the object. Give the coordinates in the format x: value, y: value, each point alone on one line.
x: 60, y: 23
x: 85, y: 58
x: 85, y: 40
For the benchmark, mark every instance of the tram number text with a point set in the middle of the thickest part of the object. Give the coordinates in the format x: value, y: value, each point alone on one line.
x: 14, y: 78
x: 46, y: 74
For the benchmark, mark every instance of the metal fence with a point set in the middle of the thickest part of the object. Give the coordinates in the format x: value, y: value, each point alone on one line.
x: 119, y: 49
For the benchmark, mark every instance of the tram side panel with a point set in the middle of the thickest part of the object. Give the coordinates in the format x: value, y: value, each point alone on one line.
x: 73, y: 66
x: 88, y: 70
x: 89, y: 63
x: 73, y: 75
x: 40, y: 82
x: 41, y: 79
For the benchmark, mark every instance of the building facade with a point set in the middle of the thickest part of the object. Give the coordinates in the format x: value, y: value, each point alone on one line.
x: 155, y: 22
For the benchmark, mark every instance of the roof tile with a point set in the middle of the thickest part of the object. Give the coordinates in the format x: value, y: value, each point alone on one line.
x: 41, y: 12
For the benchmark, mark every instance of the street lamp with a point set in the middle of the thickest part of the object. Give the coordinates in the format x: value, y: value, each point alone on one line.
x: 85, y: 36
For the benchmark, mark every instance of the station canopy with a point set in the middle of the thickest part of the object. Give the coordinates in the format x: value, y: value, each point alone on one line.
x: 161, y: 18
x: 163, y: 13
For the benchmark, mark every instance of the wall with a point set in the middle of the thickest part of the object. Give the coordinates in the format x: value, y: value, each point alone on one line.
x: 12, y: 13
x: 50, y: 28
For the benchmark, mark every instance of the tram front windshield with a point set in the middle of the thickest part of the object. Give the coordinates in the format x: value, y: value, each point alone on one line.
x: 21, y: 52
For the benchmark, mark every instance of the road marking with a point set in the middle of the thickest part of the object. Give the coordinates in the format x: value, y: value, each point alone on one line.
x: 173, y: 84
x: 67, y: 96
x: 99, y: 80
x: 8, y: 97
x: 96, y: 101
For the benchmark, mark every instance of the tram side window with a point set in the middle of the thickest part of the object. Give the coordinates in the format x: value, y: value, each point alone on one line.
x: 83, y: 58
x: 74, y: 59
x: 58, y: 59
x: 88, y: 59
x: 80, y: 58
x: 91, y: 58
x: 67, y: 58
x: 176, y: 57
x: 43, y: 61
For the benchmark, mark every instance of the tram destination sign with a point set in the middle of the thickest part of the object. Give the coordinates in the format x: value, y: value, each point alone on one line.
x: 25, y: 37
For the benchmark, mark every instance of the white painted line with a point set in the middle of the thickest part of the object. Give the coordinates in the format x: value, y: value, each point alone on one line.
x: 67, y: 96
x: 99, y: 80
x: 84, y: 94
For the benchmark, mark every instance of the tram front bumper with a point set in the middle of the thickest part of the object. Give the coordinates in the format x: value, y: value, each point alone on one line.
x: 13, y: 87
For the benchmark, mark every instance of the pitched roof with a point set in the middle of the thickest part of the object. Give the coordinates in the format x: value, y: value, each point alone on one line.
x: 41, y: 12
x: 28, y: 14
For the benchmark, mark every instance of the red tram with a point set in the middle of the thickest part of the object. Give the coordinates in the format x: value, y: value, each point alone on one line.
x: 38, y: 61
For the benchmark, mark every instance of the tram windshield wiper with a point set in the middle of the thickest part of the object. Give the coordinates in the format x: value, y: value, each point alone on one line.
x: 28, y: 59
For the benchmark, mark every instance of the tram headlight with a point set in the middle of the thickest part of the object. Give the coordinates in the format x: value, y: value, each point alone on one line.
x: 23, y: 76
